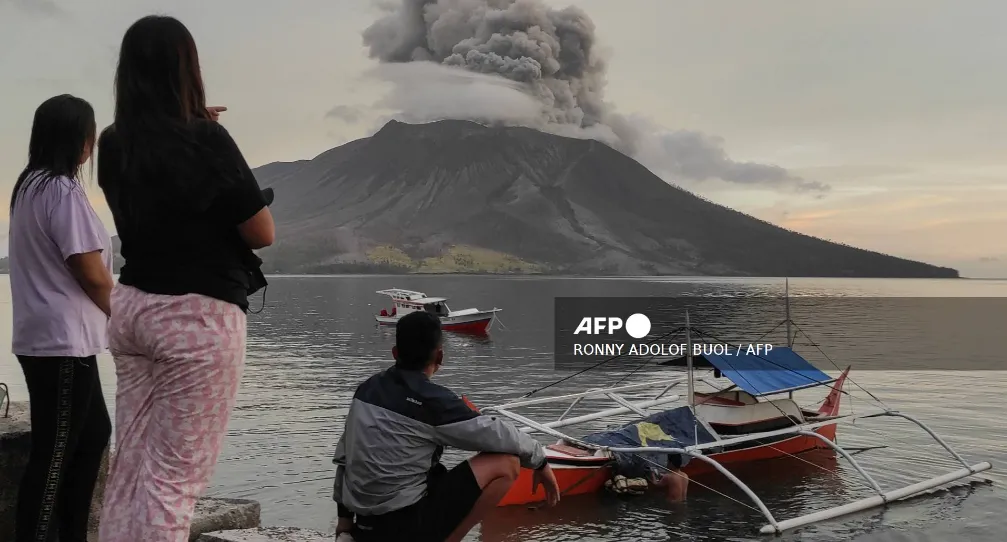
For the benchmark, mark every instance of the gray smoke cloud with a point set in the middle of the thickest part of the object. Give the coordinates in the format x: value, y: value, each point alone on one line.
x: 552, y: 55
x: 426, y: 91
x: 345, y: 113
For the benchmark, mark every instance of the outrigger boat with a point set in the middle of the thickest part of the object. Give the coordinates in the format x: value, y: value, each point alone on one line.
x: 754, y: 418
x: 407, y: 301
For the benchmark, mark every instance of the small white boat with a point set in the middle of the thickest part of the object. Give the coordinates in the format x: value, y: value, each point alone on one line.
x: 407, y: 301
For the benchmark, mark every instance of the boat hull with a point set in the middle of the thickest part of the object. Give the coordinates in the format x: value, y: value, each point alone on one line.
x: 591, y: 476
x: 469, y: 323
x: 572, y: 480
x: 772, y: 450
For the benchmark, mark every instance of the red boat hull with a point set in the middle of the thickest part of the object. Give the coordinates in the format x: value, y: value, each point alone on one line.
x: 774, y: 450
x: 473, y: 326
x: 590, y: 478
x: 572, y: 481
x: 476, y: 326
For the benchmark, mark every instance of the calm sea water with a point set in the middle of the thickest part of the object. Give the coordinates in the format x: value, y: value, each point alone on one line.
x: 316, y: 340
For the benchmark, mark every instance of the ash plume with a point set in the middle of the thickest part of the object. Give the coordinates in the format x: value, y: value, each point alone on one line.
x: 552, y: 54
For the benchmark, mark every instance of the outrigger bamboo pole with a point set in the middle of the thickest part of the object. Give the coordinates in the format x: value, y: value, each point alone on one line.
x: 688, y: 363
x: 786, y: 298
x: 603, y: 414
x: 597, y: 392
x: 875, y: 501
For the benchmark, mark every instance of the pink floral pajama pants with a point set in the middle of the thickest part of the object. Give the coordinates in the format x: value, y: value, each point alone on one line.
x: 178, y: 362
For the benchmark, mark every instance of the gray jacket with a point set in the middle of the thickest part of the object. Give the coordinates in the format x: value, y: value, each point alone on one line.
x: 396, y: 430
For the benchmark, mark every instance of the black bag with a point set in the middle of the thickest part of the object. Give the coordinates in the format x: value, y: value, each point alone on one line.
x: 253, y: 266
x: 256, y: 281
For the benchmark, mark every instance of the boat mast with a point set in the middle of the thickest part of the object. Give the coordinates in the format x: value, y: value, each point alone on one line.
x: 688, y: 361
x: 786, y: 295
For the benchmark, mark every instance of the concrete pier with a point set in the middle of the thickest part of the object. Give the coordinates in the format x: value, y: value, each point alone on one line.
x: 15, y: 444
x: 215, y: 515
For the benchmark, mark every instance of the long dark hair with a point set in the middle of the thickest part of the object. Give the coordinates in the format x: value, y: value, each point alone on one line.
x: 158, y: 82
x: 160, y: 110
x: 62, y: 133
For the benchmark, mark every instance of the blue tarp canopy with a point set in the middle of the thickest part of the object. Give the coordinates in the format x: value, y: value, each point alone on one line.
x: 781, y: 369
x: 675, y: 428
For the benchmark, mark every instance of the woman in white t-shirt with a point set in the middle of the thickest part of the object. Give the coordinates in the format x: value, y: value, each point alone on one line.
x: 61, y: 277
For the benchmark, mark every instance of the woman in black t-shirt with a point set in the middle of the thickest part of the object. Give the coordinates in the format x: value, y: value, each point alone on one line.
x: 188, y: 212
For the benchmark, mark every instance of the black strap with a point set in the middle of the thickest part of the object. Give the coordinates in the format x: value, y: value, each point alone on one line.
x: 264, y: 288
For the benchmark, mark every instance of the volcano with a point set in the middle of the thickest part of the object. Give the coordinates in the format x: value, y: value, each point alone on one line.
x: 457, y: 196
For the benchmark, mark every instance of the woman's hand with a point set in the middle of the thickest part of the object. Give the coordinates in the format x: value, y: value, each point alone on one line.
x: 90, y: 272
x: 215, y: 111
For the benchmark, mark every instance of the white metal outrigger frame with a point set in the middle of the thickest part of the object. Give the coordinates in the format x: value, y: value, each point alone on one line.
x: 697, y: 451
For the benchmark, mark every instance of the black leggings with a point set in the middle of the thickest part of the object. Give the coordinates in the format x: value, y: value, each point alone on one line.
x: 70, y: 429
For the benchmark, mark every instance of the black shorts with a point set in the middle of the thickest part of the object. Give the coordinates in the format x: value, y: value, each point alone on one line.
x: 451, y: 494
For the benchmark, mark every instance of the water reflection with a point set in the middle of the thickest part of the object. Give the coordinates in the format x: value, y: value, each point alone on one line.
x: 317, y: 339
x: 786, y: 482
x: 309, y: 351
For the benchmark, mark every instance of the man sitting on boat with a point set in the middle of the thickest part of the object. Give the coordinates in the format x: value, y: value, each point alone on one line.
x: 390, y: 484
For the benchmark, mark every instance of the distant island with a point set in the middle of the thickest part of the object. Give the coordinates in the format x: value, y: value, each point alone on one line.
x: 459, y: 197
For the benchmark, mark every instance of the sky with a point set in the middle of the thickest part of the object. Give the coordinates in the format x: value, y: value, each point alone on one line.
x: 899, y: 107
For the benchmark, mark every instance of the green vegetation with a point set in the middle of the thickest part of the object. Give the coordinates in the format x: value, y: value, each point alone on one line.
x: 456, y: 259
x: 389, y: 255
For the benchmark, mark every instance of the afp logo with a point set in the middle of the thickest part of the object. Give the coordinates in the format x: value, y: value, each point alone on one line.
x: 637, y: 325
